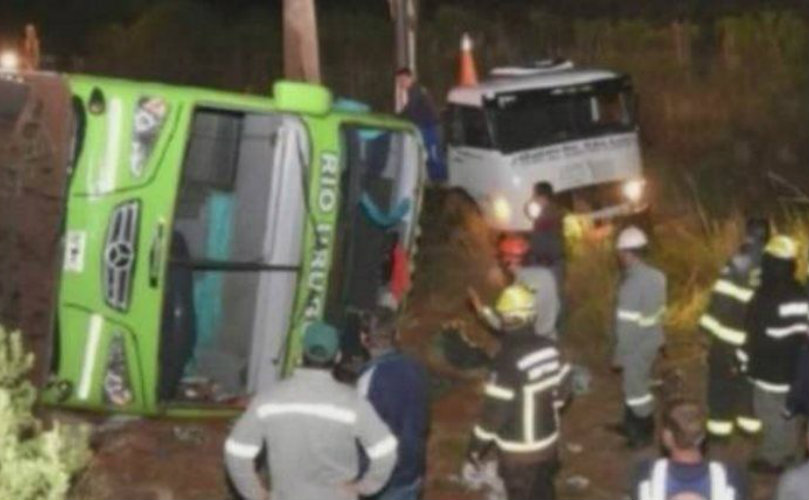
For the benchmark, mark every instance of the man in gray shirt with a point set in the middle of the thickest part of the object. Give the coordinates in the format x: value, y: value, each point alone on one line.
x: 309, y: 425
x: 794, y: 484
x: 640, y: 306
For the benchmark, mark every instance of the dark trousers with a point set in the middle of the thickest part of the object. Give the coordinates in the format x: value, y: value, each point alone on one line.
x: 529, y: 481
x: 730, y: 395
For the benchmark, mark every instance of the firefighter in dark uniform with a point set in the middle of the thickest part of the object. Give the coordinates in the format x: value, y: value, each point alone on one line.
x: 729, y: 394
x: 778, y: 326
x: 528, y: 385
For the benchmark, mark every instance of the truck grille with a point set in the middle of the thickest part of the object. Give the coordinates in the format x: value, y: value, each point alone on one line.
x: 119, y: 254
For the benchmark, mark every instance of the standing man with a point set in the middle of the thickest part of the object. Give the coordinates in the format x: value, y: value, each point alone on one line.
x: 685, y: 474
x: 528, y: 385
x: 639, y: 334
x: 309, y: 425
x: 396, y: 386
x: 420, y: 109
x: 778, y: 325
x: 548, y: 236
x: 730, y: 396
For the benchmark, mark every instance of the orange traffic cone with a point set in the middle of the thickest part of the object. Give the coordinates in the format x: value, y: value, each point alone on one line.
x: 467, y: 73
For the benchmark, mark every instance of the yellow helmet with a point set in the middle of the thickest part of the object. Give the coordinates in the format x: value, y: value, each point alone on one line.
x: 782, y: 247
x: 516, y: 302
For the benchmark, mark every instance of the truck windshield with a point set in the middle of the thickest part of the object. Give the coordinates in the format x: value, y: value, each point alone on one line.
x: 529, y: 119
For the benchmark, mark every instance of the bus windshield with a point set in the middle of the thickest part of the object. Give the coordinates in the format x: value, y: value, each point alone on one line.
x: 529, y: 119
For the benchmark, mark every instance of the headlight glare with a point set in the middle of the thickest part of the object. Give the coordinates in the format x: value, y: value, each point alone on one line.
x: 533, y: 209
x: 633, y: 190
x: 9, y: 60
x: 501, y: 210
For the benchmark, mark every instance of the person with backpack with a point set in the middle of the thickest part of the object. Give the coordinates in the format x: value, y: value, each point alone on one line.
x: 685, y: 474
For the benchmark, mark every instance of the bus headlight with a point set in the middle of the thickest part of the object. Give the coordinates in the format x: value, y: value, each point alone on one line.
x: 9, y: 61
x: 150, y: 114
x: 633, y: 190
x: 501, y: 210
x: 117, y: 389
x: 533, y: 209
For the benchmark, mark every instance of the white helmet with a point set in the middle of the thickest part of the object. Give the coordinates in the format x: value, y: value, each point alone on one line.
x: 631, y: 238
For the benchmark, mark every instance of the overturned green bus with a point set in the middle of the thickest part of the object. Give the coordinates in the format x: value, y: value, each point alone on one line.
x: 202, y: 230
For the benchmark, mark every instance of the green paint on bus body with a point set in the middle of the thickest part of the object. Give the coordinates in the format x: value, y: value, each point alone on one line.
x: 103, y: 180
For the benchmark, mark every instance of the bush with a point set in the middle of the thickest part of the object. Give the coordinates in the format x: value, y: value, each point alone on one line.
x: 34, y: 463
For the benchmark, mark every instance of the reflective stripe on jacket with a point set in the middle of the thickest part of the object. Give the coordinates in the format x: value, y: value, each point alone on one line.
x: 310, y: 425
x: 778, y: 326
x: 528, y: 385
x: 724, y: 317
x: 639, y: 312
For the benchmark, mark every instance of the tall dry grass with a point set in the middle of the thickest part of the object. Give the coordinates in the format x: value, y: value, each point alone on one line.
x: 689, y: 252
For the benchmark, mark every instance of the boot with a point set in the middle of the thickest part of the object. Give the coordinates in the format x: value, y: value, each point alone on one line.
x: 621, y: 428
x: 643, y: 432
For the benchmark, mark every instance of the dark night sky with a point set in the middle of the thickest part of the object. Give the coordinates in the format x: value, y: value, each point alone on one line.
x: 65, y: 23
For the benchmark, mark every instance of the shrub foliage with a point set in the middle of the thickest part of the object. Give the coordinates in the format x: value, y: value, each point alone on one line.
x: 35, y: 463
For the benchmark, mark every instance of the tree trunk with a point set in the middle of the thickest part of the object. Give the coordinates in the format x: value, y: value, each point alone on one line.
x: 301, y: 54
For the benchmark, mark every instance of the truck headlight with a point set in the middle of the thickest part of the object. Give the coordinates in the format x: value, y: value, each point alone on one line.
x: 501, y: 209
x: 150, y: 114
x: 633, y: 190
x: 117, y: 388
x: 533, y: 209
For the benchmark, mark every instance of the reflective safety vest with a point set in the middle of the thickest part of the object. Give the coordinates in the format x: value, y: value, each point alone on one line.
x: 731, y: 294
x: 528, y: 384
x: 655, y: 487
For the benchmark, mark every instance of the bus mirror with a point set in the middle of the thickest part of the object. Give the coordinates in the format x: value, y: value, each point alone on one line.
x: 302, y: 97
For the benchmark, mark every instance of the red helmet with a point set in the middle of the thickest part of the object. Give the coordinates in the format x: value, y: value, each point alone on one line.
x: 512, y: 249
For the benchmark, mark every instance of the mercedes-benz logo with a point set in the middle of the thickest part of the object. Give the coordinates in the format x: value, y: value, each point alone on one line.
x: 119, y: 255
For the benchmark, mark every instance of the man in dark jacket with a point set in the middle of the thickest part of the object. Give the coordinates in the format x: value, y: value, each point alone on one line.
x: 730, y: 397
x: 396, y: 386
x: 528, y: 385
x: 420, y: 109
x: 777, y: 326
x: 685, y: 473
x: 548, y: 235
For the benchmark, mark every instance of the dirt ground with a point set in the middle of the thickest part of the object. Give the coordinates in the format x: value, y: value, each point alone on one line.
x: 152, y: 459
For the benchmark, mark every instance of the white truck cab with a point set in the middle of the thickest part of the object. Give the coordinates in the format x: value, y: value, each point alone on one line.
x: 572, y: 127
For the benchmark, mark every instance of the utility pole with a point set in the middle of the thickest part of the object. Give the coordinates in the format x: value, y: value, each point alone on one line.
x: 301, y: 53
x: 405, y: 20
